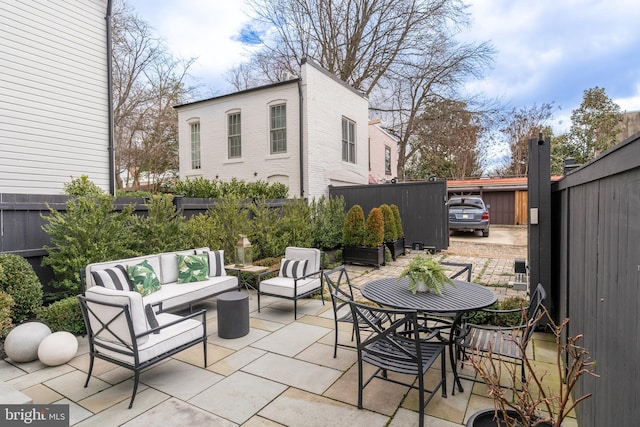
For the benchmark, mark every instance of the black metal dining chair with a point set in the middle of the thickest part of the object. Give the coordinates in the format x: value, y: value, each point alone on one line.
x: 392, y: 349
x: 505, y: 343
x: 341, y: 291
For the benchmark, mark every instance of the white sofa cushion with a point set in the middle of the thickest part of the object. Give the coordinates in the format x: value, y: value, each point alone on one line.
x: 154, y: 261
x: 119, y: 327
x: 169, y: 265
x: 175, y: 294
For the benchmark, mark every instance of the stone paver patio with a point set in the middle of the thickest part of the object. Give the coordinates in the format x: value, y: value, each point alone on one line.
x: 281, y: 373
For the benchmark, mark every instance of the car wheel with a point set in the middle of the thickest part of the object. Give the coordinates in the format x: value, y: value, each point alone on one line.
x: 485, y: 233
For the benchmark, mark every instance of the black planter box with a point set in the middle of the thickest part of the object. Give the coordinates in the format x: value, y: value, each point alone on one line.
x: 362, y: 255
x: 396, y: 247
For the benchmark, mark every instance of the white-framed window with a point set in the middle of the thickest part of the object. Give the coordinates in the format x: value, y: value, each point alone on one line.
x: 195, y: 145
x: 278, y: 128
x: 234, y: 131
x: 348, y: 140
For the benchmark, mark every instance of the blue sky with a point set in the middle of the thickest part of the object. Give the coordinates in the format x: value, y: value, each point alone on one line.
x: 547, y: 50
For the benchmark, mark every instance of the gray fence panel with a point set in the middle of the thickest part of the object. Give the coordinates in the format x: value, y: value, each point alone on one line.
x: 422, y: 208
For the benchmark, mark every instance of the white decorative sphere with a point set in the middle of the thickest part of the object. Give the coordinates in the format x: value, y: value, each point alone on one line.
x: 58, y: 348
x: 22, y: 343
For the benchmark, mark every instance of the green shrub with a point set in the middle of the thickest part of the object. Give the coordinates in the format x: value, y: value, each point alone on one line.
x: 232, y: 216
x: 6, y: 304
x: 397, y: 221
x: 264, y: 236
x: 22, y: 284
x: 390, y: 228
x: 82, y: 187
x: 353, y: 228
x: 295, y: 226
x: 162, y: 229
x: 204, y: 188
x: 327, y: 219
x: 501, y: 319
x: 90, y: 230
x: 63, y: 315
x: 197, y: 187
x: 205, y: 230
x: 374, y: 229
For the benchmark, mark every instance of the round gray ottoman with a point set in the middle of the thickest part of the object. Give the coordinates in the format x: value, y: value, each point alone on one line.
x: 233, y: 315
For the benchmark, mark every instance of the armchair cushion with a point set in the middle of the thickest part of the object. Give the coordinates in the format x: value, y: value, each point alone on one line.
x: 193, y: 268
x: 143, y: 278
x: 113, y: 278
x: 169, y: 338
x: 293, y: 268
x: 118, y: 328
x: 285, y: 286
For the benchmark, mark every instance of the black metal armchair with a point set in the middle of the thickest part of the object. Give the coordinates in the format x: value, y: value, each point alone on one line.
x: 341, y: 291
x: 393, y: 349
x: 122, y: 331
x: 500, y: 342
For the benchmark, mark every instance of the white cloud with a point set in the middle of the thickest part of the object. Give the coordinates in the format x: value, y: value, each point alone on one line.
x: 201, y: 29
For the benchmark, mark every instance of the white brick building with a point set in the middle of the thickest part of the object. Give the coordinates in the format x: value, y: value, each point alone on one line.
x: 383, y: 154
x: 54, y: 102
x: 260, y: 133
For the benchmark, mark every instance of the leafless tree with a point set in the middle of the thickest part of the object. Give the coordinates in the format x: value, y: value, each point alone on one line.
x: 147, y: 82
x: 400, y: 53
x: 447, y: 143
x: 519, y: 125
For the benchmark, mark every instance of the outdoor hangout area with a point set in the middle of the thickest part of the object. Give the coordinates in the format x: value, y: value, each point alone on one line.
x: 283, y: 368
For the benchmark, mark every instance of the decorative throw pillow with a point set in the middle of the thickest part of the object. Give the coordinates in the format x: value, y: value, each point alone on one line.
x: 115, y: 278
x: 143, y: 278
x: 216, y: 263
x: 193, y: 268
x: 291, y: 268
x: 151, y: 317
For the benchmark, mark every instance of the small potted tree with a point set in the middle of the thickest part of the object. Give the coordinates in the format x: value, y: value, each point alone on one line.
x: 363, y: 245
x: 536, y: 402
x: 399, y: 230
x: 393, y: 238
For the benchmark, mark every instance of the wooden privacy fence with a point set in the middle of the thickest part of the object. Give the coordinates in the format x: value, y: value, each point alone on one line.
x: 21, y: 222
x: 422, y: 206
x: 595, y: 269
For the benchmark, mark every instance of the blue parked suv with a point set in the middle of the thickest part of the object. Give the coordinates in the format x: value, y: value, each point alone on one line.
x: 468, y: 213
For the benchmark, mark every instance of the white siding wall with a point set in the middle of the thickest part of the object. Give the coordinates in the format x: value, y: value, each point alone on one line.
x: 53, y: 94
x: 326, y: 102
x: 256, y: 157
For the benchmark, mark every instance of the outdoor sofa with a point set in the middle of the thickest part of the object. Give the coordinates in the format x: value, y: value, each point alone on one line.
x: 161, y: 272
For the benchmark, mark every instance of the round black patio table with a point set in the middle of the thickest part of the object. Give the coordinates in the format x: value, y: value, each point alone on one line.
x: 456, y: 299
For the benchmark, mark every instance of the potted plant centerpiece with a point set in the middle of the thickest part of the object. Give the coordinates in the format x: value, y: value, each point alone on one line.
x: 539, y: 402
x: 363, y: 240
x: 425, y: 274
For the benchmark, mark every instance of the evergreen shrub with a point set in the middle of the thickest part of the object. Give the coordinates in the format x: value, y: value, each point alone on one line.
x: 353, y: 228
x: 374, y: 229
x: 63, y: 315
x: 20, y: 281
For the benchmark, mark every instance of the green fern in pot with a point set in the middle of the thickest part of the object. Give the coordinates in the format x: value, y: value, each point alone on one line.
x: 428, y: 271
